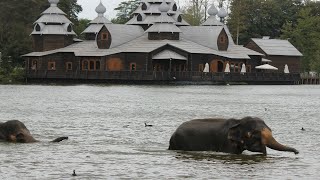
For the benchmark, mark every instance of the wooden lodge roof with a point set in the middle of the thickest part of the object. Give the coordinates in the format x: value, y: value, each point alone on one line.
x: 144, y: 45
x: 276, y: 47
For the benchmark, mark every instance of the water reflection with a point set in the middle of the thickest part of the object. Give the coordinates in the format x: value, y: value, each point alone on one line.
x: 222, y: 157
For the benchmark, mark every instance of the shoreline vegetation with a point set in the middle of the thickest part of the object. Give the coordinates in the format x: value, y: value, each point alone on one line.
x: 15, y: 75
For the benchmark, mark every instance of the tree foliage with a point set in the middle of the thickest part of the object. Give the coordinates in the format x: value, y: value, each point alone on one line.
x: 194, y: 12
x: 257, y: 18
x: 80, y: 27
x: 305, y: 35
x: 125, y: 11
x: 17, y: 25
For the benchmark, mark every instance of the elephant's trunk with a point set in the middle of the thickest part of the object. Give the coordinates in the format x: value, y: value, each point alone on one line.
x: 270, y: 142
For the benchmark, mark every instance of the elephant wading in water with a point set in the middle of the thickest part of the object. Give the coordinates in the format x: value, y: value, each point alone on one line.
x: 230, y: 136
x: 15, y: 131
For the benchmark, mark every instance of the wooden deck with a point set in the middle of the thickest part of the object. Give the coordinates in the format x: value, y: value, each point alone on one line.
x: 195, y: 77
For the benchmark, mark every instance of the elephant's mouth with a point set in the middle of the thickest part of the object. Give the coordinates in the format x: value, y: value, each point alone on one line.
x: 268, y: 140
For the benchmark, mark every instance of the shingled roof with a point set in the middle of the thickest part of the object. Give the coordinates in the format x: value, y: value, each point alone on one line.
x: 277, y: 47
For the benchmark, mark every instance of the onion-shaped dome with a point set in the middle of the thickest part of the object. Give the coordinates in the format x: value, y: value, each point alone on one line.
x: 100, y: 9
x: 164, y: 7
x: 212, y: 11
x: 222, y: 13
x: 53, y: 2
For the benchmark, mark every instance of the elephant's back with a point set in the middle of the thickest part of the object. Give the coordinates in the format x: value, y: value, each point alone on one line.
x: 204, y: 123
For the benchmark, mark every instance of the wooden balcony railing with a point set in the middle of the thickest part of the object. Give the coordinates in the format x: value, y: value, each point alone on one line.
x: 165, y: 76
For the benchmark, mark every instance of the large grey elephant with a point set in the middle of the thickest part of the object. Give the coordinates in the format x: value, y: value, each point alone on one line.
x: 226, y: 135
x: 15, y: 131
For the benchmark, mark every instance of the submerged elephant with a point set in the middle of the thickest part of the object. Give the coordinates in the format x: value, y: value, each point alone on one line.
x: 226, y: 135
x: 16, y: 131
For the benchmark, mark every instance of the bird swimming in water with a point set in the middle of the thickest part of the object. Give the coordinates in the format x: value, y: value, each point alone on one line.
x: 147, y: 125
x: 74, y: 173
x: 302, y: 129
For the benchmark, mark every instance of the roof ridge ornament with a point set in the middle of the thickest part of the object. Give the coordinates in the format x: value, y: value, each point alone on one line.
x: 222, y: 14
x: 101, y: 9
x: 164, y: 7
x: 212, y: 11
x: 53, y: 3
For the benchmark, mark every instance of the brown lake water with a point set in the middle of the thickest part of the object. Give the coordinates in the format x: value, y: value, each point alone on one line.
x: 108, y: 139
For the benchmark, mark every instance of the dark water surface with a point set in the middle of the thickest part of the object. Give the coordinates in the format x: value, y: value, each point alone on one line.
x: 108, y: 140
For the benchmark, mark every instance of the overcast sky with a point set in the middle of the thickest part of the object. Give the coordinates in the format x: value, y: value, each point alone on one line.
x: 89, y: 7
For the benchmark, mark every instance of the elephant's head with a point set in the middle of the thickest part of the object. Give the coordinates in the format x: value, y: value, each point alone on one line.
x: 15, y: 131
x: 254, y: 135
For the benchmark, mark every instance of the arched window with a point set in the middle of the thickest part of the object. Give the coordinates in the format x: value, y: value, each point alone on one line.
x: 179, y: 18
x: 38, y: 28
x: 69, y: 29
x: 85, y: 65
x: 144, y: 6
x: 174, y: 7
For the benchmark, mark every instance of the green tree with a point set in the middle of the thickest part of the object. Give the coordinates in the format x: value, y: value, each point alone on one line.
x: 71, y: 8
x: 16, y: 24
x: 80, y: 27
x: 257, y: 18
x: 305, y: 35
x: 125, y: 11
x: 195, y: 11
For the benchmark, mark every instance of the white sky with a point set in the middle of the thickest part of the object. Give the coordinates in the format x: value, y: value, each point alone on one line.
x: 89, y: 7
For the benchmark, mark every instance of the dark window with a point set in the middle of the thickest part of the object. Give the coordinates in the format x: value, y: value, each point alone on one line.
x: 174, y: 7
x: 139, y: 17
x: 91, y: 65
x: 222, y: 39
x: 144, y: 6
x: 69, y: 65
x: 133, y: 66
x: 38, y: 28
x: 69, y: 29
x: 104, y: 36
x: 51, y: 65
x: 179, y: 18
x: 98, y: 65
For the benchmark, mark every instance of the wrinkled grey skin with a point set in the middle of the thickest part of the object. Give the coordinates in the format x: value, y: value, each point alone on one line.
x: 16, y: 132
x: 226, y: 135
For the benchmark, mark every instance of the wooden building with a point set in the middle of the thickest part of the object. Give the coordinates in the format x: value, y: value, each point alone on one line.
x: 155, y: 45
x: 279, y: 52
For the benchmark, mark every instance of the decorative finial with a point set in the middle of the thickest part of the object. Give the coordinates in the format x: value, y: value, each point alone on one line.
x: 100, y: 9
x: 53, y: 2
x: 212, y: 11
x: 222, y: 13
x: 164, y: 7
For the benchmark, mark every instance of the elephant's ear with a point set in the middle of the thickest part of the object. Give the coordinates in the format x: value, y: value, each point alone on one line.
x: 234, y: 133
